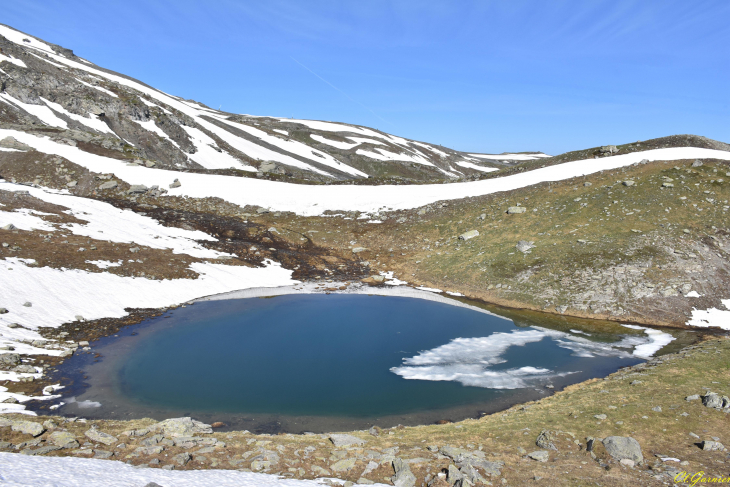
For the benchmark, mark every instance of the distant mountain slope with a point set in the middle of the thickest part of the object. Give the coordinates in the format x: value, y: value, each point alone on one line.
x: 47, y: 89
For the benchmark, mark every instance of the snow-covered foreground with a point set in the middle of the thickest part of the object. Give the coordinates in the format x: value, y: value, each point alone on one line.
x: 18, y: 470
x: 311, y: 200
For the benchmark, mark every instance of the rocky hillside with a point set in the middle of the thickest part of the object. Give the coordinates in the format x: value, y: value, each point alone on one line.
x: 47, y: 89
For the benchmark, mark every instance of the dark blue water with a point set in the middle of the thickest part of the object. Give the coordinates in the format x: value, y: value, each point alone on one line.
x: 327, y: 356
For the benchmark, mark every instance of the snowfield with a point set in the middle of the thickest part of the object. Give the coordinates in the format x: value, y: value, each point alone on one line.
x: 311, y: 200
x: 25, y: 471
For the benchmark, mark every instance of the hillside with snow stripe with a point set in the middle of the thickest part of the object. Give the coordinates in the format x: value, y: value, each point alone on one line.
x: 311, y: 200
x: 153, y: 127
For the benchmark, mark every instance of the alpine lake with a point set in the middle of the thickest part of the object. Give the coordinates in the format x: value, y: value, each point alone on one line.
x: 333, y: 362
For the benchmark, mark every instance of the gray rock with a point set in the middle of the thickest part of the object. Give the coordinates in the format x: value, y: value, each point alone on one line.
x: 540, y: 455
x: 103, y: 454
x: 403, y: 476
x: 524, y: 246
x: 137, y: 189
x: 175, y: 184
x: 149, y: 450
x: 693, y: 397
x: 628, y: 183
x: 469, y: 234
x: 343, y: 465
x: 100, y: 437
x: 182, y: 458
x: 12, y: 143
x: 40, y: 451
x: 346, y: 440
x: 713, y: 400
x: 9, y: 359
x: 27, y: 427
x: 152, y: 484
x: 9, y: 226
x: 545, y: 440
x: 357, y: 250
x: 25, y: 369
x: 697, y: 163
x: 620, y: 447
x: 374, y: 431
x: 712, y: 446
x: 181, y: 427
x: 108, y: 185
x: 600, y: 417
x: 608, y: 149
x: 514, y: 210
x: 317, y: 470
x: 63, y: 439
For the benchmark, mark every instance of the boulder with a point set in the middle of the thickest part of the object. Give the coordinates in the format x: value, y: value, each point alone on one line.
x: 175, y: 184
x: 100, y: 437
x: 524, y: 246
x: 628, y: 183
x: 620, y: 447
x: 713, y: 400
x: 545, y: 440
x: 469, y: 234
x: 108, y: 185
x: 12, y: 143
x: 137, y: 189
x: 64, y: 439
x: 181, y: 427
x: 513, y: 210
x: 27, y: 427
x: 9, y: 359
x: 403, y: 476
x: 346, y: 440
x: 540, y: 455
x: 343, y: 465
x: 712, y: 446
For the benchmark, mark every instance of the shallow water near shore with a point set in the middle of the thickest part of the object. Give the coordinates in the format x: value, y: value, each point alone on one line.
x: 296, y: 363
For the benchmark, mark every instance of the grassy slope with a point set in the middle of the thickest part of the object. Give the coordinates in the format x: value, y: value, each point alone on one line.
x: 642, y: 243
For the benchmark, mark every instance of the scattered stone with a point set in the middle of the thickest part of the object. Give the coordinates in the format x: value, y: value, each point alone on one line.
x: 108, y: 185
x: 343, y: 465
x: 27, y: 427
x: 540, y: 455
x: 64, y: 439
x: 317, y: 470
x: 403, y: 476
x: 100, y: 437
x: 524, y: 246
x: 600, y: 417
x: 182, y: 458
x: 712, y: 446
x: 469, y: 234
x: 9, y: 226
x: 9, y: 359
x: 657, y: 409
x: 693, y: 397
x: 175, y: 184
x: 514, y: 210
x: 103, y: 454
x: 545, y: 440
x: 628, y: 183
x: 3, y: 311
x: 346, y: 440
x: 713, y: 400
x: 620, y: 447
x: 374, y: 431
x: 357, y: 250
x: 635, y: 382
x: 181, y: 427
x: 40, y: 451
x: 137, y: 189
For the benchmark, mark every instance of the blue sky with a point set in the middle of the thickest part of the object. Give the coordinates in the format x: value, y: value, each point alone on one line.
x: 482, y: 76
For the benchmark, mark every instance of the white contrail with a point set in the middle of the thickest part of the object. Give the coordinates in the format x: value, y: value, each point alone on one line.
x: 333, y: 86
